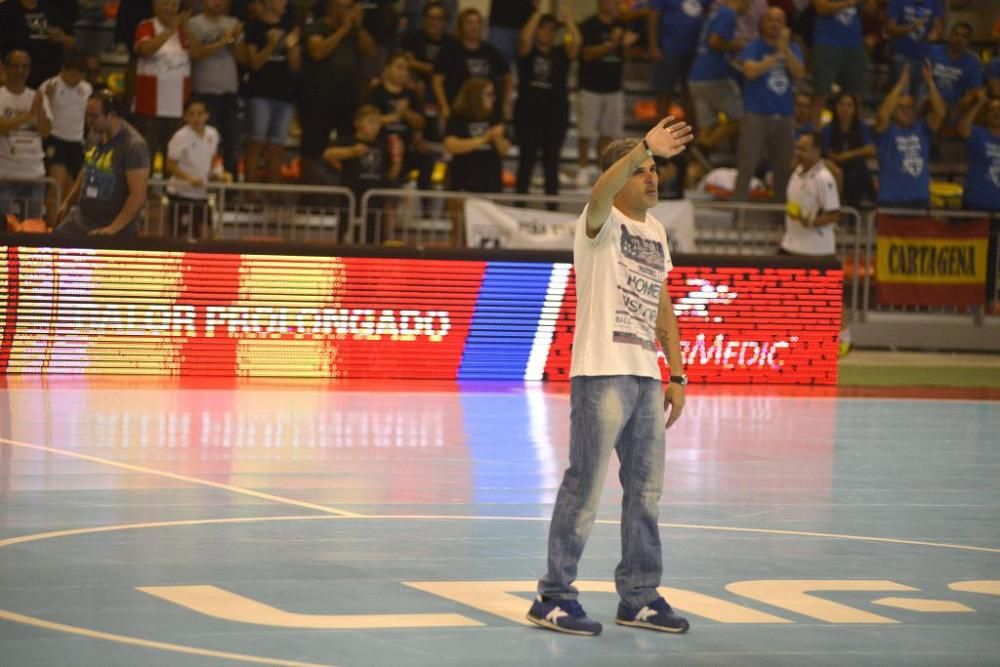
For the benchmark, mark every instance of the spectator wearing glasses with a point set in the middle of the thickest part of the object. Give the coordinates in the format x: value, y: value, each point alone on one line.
x: 475, y: 138
x: 25, y: 120
x: 110, y: 192
x: 982, y: 177
x: 903, y: 144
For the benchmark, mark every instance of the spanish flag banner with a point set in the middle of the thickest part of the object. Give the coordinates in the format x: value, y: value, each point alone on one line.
x: 923, y: 261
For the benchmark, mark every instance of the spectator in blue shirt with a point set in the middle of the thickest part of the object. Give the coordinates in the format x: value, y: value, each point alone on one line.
x: 771, y: 66
x: 992, y: 76
x: 957, y: 71
x: 982, y: 177
x: 903, y: 144
x: 672, y: 32
x: 713, y: 86
x: 839, y: 55
x: 911, y: 26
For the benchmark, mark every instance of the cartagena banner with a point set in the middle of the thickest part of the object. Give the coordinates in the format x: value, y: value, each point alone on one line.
x: 923, y: 261
x: 190, y: 313
x: 489, y: 225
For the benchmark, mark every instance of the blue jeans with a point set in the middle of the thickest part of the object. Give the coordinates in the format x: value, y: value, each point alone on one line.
x: 624, y: 413
x: 22, y: 199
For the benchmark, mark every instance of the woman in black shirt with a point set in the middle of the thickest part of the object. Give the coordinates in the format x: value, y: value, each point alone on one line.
x: 541, y: 115
x: 475, y: 139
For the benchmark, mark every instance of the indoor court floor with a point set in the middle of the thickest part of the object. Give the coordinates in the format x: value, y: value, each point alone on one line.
x: 150, y: 522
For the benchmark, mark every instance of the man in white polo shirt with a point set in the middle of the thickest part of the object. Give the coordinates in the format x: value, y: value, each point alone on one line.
x: 813, y: 206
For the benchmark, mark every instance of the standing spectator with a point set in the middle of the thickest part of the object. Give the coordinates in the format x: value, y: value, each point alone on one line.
x: 402, y: 122
x: 617, y: 395
x: 601, y: 112
x: 466, y: 58
x: 163, y: 74
x: 541, y: 116
x: 381, y: 20
x: 336, y: 45
x: 189, y: 161
x: 993, y: 78
x: 912, y: 25
x: 109, y: 193
x: 415, y: 10
x: 957, y: 71
x: 423, y: 45
x: 92, y: 72
x: 475, y: 139
x: 982, y: 177
x: 67, y: 95
x: 673, y: 28
x: 771, y: 65
x: 214, y: 77
x: 40, y: 28
x: 25, y: 119
x: 839, y: 54
x: 813, y: 208
x: 713, y: 87
x: 274, y: 57
x: 904, y: 144
x: 507, y: 17
x: 748, y: 23
x: 847, y: 142
x: 364, y: 159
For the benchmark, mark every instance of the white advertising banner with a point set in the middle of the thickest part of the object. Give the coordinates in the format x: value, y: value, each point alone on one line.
x: 489, y: 225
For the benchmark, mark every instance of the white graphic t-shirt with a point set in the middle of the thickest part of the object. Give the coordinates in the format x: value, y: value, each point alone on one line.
x: 69, y: 106
x: 21, y: 154
x: 619, y: 275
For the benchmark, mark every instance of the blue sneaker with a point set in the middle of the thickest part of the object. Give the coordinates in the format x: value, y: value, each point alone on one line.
x: 562, y: 616
x: 657, y: 615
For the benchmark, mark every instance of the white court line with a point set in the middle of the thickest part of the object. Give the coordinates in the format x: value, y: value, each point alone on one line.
x: 179, y: 477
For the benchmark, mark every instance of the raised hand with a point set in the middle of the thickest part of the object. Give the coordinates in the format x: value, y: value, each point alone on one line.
x: 669, y: 137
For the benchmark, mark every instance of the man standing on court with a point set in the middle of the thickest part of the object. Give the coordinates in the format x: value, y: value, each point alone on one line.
x: 616, y: 394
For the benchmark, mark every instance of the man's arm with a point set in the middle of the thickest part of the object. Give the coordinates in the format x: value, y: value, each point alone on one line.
x: 669, y: 335
x: 965, y: 124
x: 667, y: 138
x: 526, y: 39
x: 138, y: 180
x: 884, y: 114
x: 938, y: 109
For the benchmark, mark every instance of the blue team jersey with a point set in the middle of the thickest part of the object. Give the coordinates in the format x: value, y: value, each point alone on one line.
x: 982, y: 179
x: 771, y: 93
x: 903, y: 155
x: 680, y: 23
x: 709, y: 64
x: 842, y: 29
x: 954, y: 76
x: 913, y: 44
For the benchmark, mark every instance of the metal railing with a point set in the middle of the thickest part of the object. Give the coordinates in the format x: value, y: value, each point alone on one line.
x: 257, y: 211
x: 29, y: 198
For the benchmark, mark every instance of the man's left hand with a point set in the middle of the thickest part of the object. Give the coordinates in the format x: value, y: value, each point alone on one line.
x: 103, y: 231
x: 673, y: 402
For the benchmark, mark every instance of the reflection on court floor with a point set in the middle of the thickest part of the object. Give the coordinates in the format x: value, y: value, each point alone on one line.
x: 169, y: 522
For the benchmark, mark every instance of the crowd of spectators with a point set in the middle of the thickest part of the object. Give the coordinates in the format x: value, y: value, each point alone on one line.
x: 375, y: 92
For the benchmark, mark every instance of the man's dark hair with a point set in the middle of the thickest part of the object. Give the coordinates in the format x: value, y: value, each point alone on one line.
x: 110, y: 103
x: 75, y: 61
x: 817, y: 140
x: 548, y: 19
x: 963, y: 24
x: 436, y: 4
x: 615, y: 151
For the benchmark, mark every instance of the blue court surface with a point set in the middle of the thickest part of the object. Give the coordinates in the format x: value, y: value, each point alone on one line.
x: 148, y: 523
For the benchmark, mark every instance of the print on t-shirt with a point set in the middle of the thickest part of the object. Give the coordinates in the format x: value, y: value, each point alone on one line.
x: 778, y: 81
x: 909, y: 148
x: 640, y: 274
x: 846, y: 16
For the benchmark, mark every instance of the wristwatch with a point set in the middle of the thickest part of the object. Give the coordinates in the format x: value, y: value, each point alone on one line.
x: 682, y: 380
